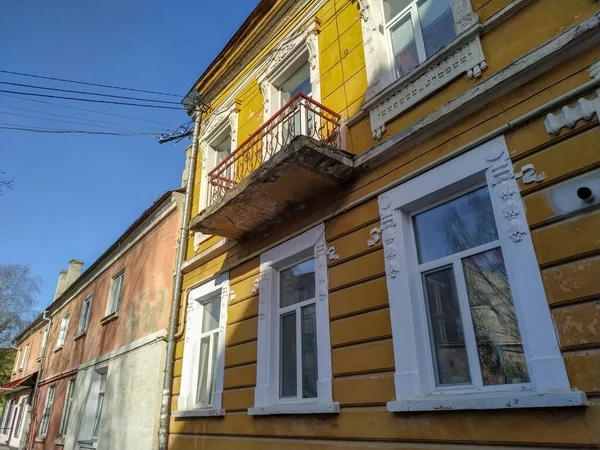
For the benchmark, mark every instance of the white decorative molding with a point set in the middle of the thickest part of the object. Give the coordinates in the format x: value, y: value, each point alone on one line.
x: 464, y: 16
x: 265, y: 90
x: 375, y: 234
x: 191, y: 350
x: 415, y: 384
x: 332, y: 255
x: 463, y: 57
x: 256, y: 286
x: 266, y: 394
x: 594, y: 69
x: 569, y: 116
x: 231, y: 296
x: 528, y: 174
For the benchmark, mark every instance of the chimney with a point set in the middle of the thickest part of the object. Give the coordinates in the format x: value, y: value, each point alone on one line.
x: 61, y: 285
x: 73, y: 272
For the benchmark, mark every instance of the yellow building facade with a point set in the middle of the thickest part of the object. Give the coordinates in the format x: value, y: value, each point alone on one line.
x: 422, y: 270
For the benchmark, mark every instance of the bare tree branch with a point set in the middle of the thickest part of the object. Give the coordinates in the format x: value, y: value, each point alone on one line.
x: 5, y: 184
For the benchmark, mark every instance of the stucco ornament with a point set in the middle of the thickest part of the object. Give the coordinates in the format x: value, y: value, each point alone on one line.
x: 527, y: 173
x: 505, y: 187
x: 375, y: 234
x: 256, y: 286
x: 332, y: 255
x: 569, y: 116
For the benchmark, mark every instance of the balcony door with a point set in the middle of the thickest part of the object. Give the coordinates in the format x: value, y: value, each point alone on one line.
x: 298, y: 120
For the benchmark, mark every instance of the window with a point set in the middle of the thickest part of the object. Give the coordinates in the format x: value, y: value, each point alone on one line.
x: 62, y: 332
x: 19, y: 416
x: 203, y: 354
x: 8, y: 410
x: 470, y: 321
x: 47, y: 410
x: 294, y: 351
x: 24, y: 358
x: 84, y: 317
x: 64, y: 421
x: 115, y: 294
x: 99, y: 405
x: 44, y: 340
x: 417, y: 29
x: 17, y: 359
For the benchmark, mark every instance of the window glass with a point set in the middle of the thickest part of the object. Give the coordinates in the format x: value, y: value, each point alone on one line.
x: 99, y: 406
x: 404, y: 46
x: 297, y: 283
x: 298, y: 82
x: 457, y: 225
x: 47, y: 411
x: 209, y: 351
x: 391, y: 8
x: 497, y: 333
x: 223, y: 149
x: 437, y: 24
x: 309, y: 352
x: 449, y: 350
x: 62, y: 332
x: 117, y: 292
x: 288, y: 376
x: 211, y: 313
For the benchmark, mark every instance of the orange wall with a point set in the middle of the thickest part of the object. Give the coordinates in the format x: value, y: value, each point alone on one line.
x: 34, y: 340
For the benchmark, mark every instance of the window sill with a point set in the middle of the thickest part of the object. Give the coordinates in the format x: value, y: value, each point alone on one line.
x: 496, y: 400
x: 295, y: 408
x: 59, y: 441
x: 110, y: 318
x: 207, y: 412
x: 40, y: 439
x: 39, y: 359
x: 57, y: 349
x: 79, y: 336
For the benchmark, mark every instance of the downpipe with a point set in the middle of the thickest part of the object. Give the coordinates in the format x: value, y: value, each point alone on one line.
x: 27, y: 427
x: 163, y: 431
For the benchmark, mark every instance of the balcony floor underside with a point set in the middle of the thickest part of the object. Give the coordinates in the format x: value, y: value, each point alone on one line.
x: 281, y: 188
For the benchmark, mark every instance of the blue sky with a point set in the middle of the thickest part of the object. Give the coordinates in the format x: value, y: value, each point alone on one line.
x: 75, y: 194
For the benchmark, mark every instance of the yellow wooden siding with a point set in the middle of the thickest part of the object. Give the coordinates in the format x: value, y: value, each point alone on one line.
x: 555, y: 427
x: 362, y: 357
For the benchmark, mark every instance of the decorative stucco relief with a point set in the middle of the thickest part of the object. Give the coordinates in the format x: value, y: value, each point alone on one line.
x: 468, y: 58
x: 569, y: 116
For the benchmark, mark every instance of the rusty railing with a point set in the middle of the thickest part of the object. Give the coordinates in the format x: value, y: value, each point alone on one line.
x: 301, y: 115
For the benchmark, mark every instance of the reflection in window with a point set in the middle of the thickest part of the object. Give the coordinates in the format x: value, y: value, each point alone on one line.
x: 466, y: 288
x: 209, y: 344
x: 417, y: 29
x: 298, y: 331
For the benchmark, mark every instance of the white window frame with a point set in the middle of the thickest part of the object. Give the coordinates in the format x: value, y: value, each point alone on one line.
x: 113, y: 302
x: 187, y: 405
x: 414, y: 378
x: 62, y: 331
x: 47, y: 411
x: 266, y: 395
x: 388, y: 95
x: 24, y: 358
x: 20, y: 414
x: 84, y: 319
x: 293, y: 53
x: 100, y: 403
x: 67, y: 408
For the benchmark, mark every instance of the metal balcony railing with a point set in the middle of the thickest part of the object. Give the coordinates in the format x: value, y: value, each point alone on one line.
x: 301, y: 115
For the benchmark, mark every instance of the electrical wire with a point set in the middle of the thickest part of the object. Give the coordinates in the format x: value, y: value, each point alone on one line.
x: 15, y: 127
x: 91, y: 100
x: 67, y: 121
x: 90, y: 110
x: 32, y: 86
x: 65, y: 116
x: 89, y: 84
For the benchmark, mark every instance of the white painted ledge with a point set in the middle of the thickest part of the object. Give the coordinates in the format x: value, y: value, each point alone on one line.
x: 295, y: 408
x: 207, y: 412
x: 497, y: 400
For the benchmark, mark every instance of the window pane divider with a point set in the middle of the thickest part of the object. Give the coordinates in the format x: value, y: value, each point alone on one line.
x: 460, y: 255
x: 296, y: 306
x: 298, y: 351
x: 467, y: 323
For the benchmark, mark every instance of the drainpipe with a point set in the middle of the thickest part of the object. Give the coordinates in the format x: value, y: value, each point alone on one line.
x: 163, y: 431
x: 25, y: 435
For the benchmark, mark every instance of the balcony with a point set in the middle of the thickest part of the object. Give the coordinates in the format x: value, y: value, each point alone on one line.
x: 284, y: 166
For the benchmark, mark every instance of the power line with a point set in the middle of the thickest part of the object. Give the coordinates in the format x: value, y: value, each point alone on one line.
x: 13, y: 127
x: 90, y: 110
x: 91, y: 100
x: 63, y: 121
x: 32, y: 86
x: 67, y: 117
x: 89, y: 84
